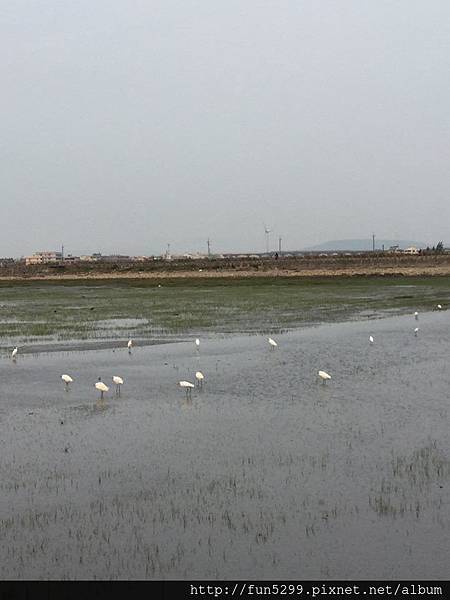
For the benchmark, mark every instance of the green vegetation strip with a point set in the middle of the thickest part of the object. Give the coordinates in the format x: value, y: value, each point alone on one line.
x: 108, y: 309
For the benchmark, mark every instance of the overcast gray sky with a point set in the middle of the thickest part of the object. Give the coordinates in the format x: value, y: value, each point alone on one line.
x: 130, y: 124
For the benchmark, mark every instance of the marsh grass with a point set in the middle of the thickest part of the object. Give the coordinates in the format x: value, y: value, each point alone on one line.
x: 87, y: 310
x: 409, y: 478
x: 160, y: 522
x: 120, y: 522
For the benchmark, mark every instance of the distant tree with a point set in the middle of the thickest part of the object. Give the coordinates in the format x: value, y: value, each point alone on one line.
x: 440, y: 248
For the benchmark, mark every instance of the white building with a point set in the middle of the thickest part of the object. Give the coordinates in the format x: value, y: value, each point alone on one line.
x: 41, y: 258
x: 91, y: 257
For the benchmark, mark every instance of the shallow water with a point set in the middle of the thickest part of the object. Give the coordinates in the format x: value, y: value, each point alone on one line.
x: 265, y: 473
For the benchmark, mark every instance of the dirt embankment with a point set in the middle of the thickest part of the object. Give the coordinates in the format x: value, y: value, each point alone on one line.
x: 313, y: 266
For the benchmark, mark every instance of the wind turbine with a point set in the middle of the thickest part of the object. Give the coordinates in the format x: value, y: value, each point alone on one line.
x: 267, y: 231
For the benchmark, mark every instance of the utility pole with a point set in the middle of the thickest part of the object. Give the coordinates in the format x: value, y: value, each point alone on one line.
x: 279, y: 245
x: 208, y: 242
x: 168, y: 257
x: 373, y: 242
x: 62, y: 252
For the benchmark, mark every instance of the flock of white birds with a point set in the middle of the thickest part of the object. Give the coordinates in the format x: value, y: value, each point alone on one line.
x: 187, y: 385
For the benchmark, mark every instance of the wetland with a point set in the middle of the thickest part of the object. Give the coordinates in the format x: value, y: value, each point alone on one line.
x: 263, y: 473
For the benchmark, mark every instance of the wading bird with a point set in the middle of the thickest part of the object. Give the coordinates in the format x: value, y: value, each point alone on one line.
x: 187, y: 385
x: 14, y: 353
x: 272, y: 343
x: 67, y: 379
x: 119, y: 382
x: 129, y: 346
x: 101, y: 387
x: 371, y: 340
x: 439, y: 306
x: 197, y: 343
x: 324, y: 376
x: 199, y: 377
x: 416, y: 331
x: 416, y: 315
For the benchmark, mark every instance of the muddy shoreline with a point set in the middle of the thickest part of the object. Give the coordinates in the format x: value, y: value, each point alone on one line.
x: 369, y: 271
x: 367, y: 265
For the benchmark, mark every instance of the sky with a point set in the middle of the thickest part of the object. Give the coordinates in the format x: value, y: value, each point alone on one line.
x: 127, y: 125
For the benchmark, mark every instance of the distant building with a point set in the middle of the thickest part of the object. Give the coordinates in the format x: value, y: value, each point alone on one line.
x: 91, y: 257
x: 411, y: 250
x: 41, y: 258
x: 116, y: 258
x: 142, y: 258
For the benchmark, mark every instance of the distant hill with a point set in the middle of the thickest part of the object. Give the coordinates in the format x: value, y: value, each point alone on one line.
x: 355, y: 245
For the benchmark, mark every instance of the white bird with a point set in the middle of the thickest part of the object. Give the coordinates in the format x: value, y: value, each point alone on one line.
x: 439, y: 307
x: 416, y: 315
x: 416, y: 331
x: 14, y: 353
x: 324, y: 376
x: 187, y: 385
x: 130, y: 345
x: 119, y: 382
x: 101, y: 387
x: 67, y: 379
x: 197, y: 343
x: 200, y: 377
x: 371, y: 339
x: 272, y: 343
